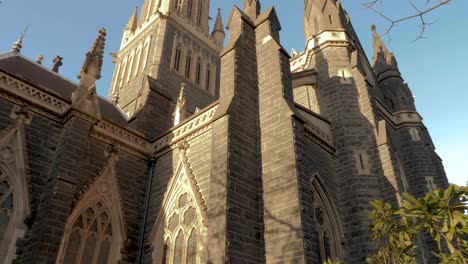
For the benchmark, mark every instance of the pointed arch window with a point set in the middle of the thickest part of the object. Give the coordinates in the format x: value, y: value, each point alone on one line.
x: 188, y: 65
x: 14, y: 193
x: 180, y: 232
x: 90, y: 238
x: 189, y: 8
x: 178, y: 5
x: 177, y: 55
x: 198, y: 72
x: 200, y: 12
x: 208, y: 77
x: 328, y: 232
x: 94, y: 232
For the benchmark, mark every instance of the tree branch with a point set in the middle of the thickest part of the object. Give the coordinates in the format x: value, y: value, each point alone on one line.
x: 418, y: 12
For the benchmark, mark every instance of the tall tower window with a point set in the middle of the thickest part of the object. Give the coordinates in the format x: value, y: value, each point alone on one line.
x: 208, y: 78
x: 198, y: 72
x: 188, y: 66
x: 177, y: 54
x: 200, y: 12
x: 178, y: 5
x: 189, y: 8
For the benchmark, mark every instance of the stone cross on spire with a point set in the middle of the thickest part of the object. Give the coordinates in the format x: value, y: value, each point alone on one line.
x: 18, y: 45
x: 252, y: 8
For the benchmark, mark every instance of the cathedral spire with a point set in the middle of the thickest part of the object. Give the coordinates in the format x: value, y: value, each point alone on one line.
x: 252, y: 8
x: 85, y: 96
x: 133, y: 21
x: 382, y: 59
x: 322, y: 15
x: 18, y: 45
x: 92, y: 65
x: 218, y: 30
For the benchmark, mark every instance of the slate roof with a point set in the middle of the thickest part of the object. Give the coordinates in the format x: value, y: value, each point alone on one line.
x: 53, y: 83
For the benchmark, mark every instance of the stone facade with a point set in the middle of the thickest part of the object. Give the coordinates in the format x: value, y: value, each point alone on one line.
x: 207, y: 154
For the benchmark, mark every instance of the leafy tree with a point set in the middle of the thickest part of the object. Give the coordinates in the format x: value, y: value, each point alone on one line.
x: 439, y: 213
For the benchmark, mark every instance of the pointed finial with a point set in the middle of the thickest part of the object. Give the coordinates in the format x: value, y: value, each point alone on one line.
x: 382, y: 58
x: 93, y: 62
x: 252, y: 8
x: 133, y: 21
x: 39, y: 59
x: 181, y: 98
x: 180, y: 106
x: 57, y: 63
x: 218, y: 30
x: 18, y: 45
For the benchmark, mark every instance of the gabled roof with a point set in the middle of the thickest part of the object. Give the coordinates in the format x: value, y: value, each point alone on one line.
x: 53, y: 83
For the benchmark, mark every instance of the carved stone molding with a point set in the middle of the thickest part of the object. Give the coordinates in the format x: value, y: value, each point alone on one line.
x: 16, y: 87
x: 200, y: 122
x: 124, y: 136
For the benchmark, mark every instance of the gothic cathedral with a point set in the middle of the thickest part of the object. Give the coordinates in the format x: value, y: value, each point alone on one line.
x: 209, y: 150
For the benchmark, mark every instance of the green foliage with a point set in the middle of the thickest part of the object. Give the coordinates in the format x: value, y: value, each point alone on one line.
x: 439, y: 213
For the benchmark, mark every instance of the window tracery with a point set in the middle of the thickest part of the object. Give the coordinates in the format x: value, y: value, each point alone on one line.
x: 14, y: 194
x: 180, y: 231
x: 326, y: 222
x: 91, y: 236
x: 94, y: 231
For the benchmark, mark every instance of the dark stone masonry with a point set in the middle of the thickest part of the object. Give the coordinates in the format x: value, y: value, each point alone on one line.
x: 209, y: 153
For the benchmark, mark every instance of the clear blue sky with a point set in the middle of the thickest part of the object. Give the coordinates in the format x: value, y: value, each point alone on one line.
x: 435, y: 68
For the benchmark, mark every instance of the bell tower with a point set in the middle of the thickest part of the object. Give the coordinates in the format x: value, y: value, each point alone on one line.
x: 167, y: 46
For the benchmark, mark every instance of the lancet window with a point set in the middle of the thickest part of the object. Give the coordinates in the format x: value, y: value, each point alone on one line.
x: 188, y: 65
x: 8, y: 215
x: 14, y: 198
x: 189, y: 8
x: 94, y: 232
x: 177, y: 55
x: 198, y: 72
x: 200, y: 12
x: 208, y: 77
x: 326, y: 222
x: 181, y: 232
x: 90, y: 239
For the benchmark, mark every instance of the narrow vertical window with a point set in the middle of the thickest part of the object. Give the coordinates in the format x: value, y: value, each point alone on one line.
x: 188, y: 66
x: 198, y: 72
x: 178, y: 5
x: 331, y: 19
x: 200, y: 12
x: 208, y: 78
x: 177, y: 55
x: 189, y: 8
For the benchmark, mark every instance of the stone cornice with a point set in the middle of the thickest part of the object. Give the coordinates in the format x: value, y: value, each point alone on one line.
x: 335, y: 38
x: 401, y: 118
x: 130, y: 141
x: 32, y: 94
x: 194, y: 126
x: 103, y: 129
